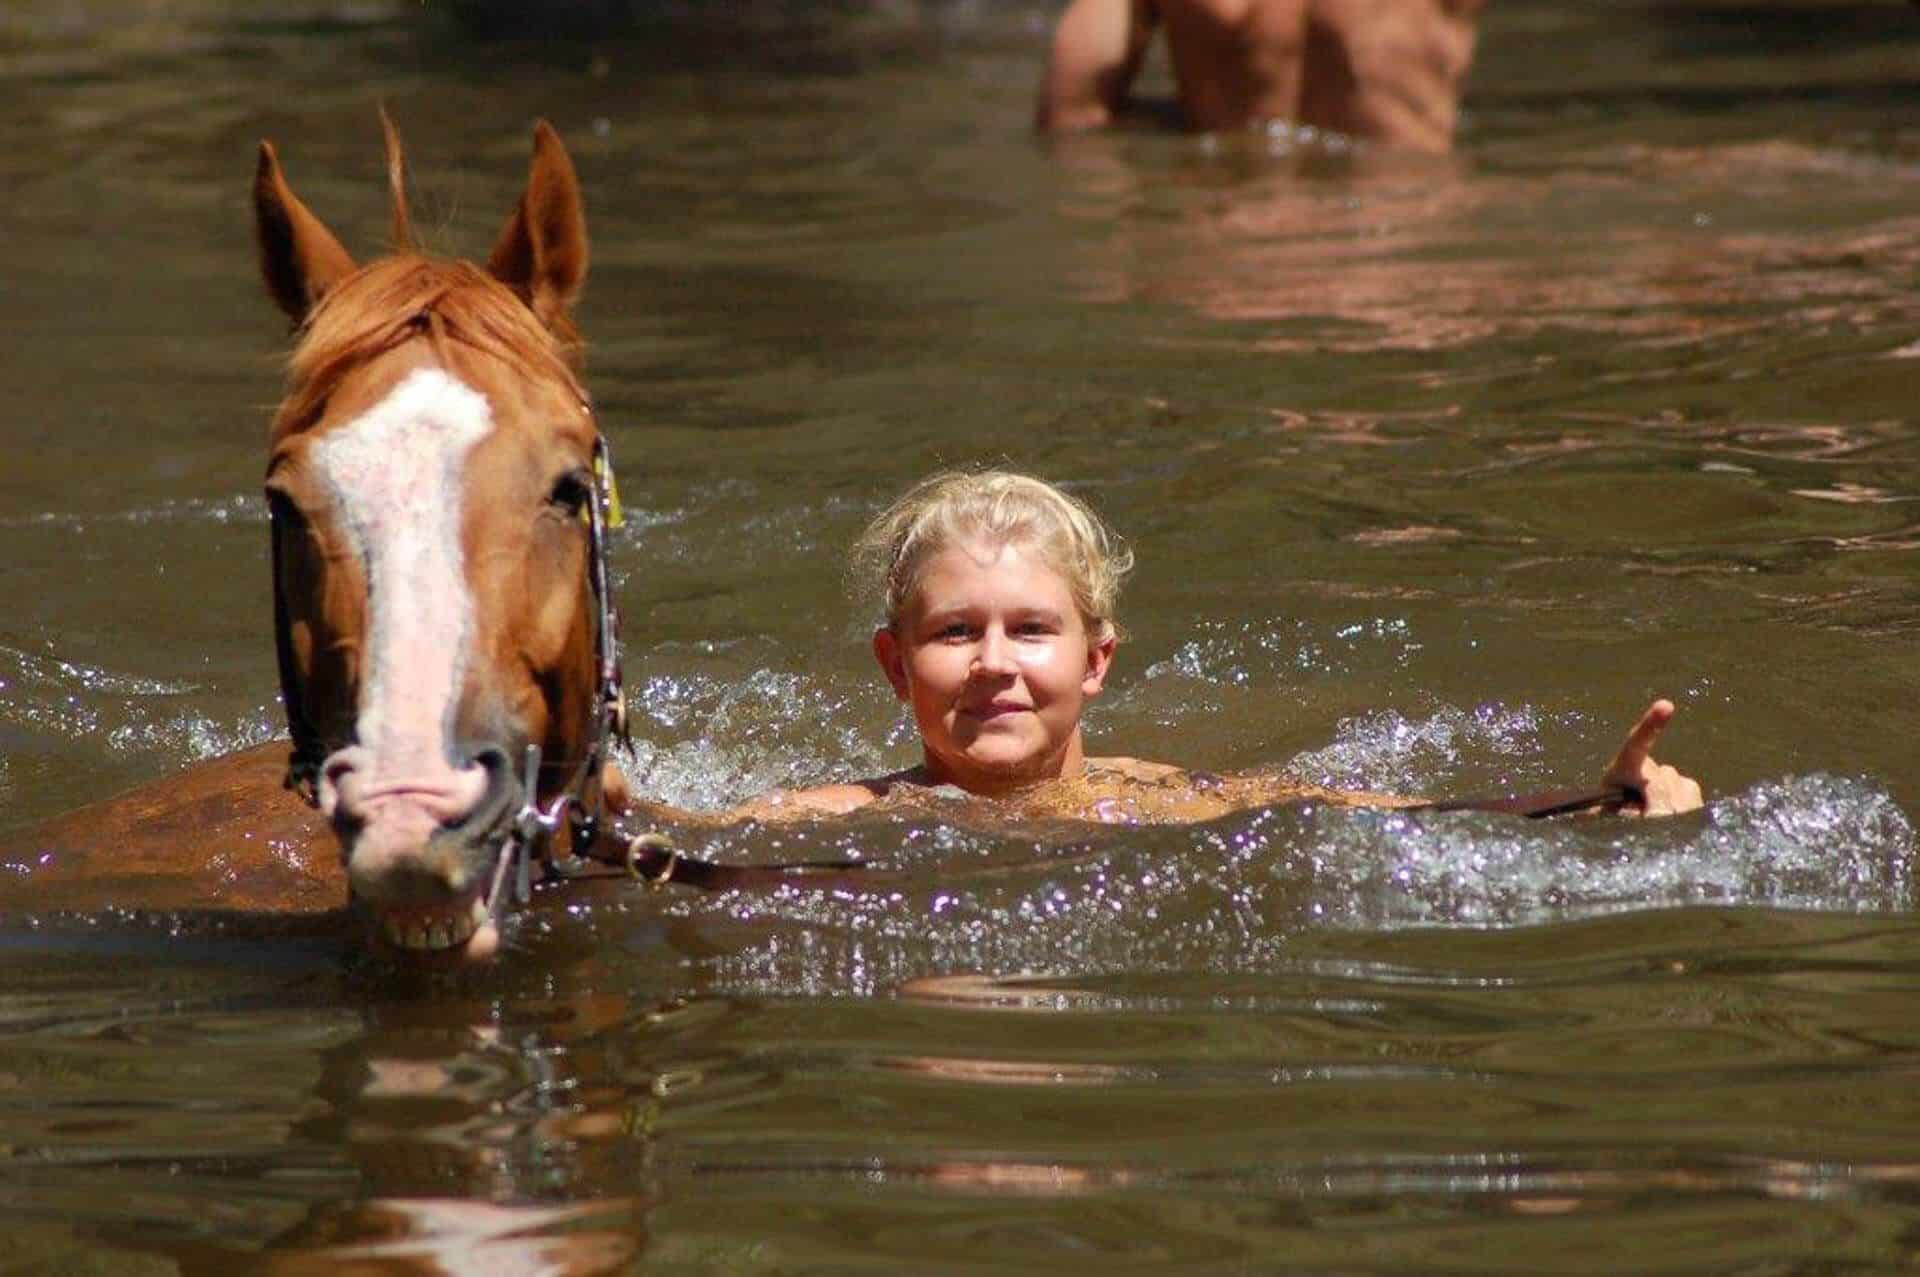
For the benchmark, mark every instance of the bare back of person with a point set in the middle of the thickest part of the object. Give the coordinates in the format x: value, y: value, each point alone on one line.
x: 1236, y: 61
x: 1383, y: 70
x: 1391, y: 70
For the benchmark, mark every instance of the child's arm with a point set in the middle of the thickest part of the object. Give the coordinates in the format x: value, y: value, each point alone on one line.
x: 1634, y: 784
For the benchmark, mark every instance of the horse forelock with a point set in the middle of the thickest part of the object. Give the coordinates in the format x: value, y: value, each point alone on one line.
x: 406, y: 297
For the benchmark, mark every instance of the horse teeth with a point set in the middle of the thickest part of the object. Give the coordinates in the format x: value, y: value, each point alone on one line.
x: 442, y: 932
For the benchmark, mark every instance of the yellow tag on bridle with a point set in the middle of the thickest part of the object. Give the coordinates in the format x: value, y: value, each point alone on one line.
x: 604, y: 473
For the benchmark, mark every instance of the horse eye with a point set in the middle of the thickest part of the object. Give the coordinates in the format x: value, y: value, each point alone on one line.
x: 284, y: 512
x: 570, y: 491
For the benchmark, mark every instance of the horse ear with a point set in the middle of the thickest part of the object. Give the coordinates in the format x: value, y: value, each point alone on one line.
x: 542, y: 251
x: 299, y: 257
x: 397, y: 184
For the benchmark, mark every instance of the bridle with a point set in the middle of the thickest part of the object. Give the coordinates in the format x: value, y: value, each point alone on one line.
x: 580, y: 803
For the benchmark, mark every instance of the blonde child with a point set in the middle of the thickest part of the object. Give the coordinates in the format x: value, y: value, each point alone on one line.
x: 999, y: 594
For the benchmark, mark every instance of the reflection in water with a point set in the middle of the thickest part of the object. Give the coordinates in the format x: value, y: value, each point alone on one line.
x: 1408, y: 254
x: 481, y: 1139
x: 451, y: 1237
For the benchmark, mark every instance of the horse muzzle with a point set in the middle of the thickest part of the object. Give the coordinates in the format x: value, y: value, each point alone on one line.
x: 422, y: 846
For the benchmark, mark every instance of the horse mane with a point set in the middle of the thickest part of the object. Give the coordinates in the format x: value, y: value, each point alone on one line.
x: 395, y: 299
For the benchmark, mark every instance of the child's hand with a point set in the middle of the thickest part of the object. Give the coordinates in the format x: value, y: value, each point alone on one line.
x: 1662, y: 789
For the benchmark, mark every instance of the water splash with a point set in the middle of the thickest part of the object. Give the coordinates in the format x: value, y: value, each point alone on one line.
x: 20, y: 669
x: 45, y: 694
x: 742, y: 736
x: 1234, y: 896
x: 1240, y: 653
x: 1813, y: 842
x: 194, y: 735
x: 237, y: 508
x: 1390, y: 753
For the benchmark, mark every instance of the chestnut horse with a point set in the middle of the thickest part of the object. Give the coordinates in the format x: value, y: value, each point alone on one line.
x: 440, y: 495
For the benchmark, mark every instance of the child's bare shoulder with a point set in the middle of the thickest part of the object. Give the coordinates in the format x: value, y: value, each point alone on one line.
x: 824, y: 800
x: 1139, y: 769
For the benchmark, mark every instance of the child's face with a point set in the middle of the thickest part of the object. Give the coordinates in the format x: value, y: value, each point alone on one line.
x: 992, y: 654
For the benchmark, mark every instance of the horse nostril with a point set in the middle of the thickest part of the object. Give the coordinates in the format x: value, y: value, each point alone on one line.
x: 335, y: 772
x: 502, y: 795
x: 491, y: 759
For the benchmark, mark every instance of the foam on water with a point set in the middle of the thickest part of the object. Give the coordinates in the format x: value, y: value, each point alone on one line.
x: 42, y: 693
x: 21, y: 670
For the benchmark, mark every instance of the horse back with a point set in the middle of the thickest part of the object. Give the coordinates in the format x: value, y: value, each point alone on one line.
x: 222, y: 835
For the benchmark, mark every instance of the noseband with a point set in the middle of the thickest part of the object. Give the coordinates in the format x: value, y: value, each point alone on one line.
x: 579, y: 804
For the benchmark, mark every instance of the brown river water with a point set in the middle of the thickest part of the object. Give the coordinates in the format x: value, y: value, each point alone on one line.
x: 1437, y: 471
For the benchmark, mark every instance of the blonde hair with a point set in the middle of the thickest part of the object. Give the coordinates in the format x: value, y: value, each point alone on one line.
x: 996, y: 508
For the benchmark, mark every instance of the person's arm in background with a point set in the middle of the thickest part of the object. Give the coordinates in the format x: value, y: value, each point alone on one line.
x: 1097, y: 50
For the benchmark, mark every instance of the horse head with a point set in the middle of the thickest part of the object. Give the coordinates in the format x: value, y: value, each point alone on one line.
x: 439, y: 489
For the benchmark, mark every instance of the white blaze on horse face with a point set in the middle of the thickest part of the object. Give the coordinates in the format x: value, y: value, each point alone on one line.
x: 396, y: 477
